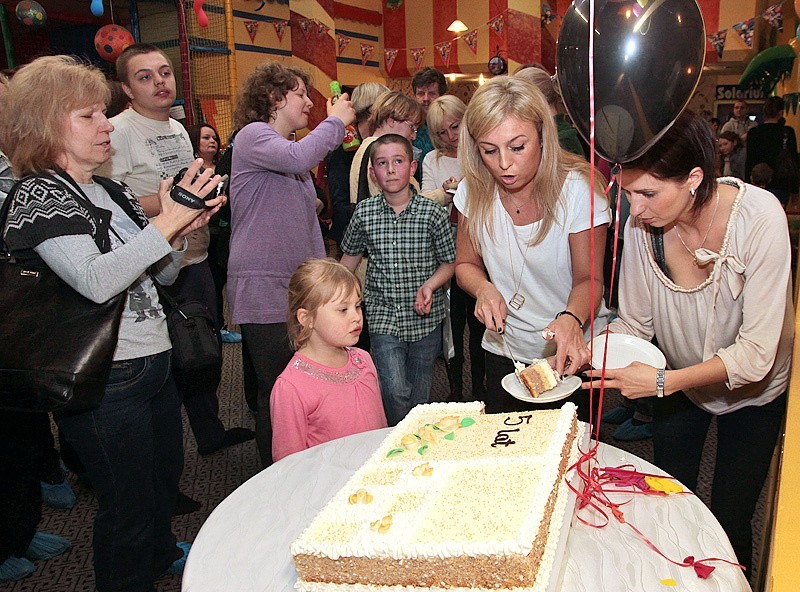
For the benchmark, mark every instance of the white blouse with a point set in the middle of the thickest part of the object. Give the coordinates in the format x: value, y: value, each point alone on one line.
x: 742, y: 313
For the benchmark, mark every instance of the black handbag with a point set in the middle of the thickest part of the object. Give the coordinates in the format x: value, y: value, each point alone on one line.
x: 196, y: 344
x: 58, y: 345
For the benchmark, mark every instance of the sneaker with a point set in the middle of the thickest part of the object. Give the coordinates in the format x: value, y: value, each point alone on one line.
x: 177, y: 566
x: 229, y: 336
x: 617, y: 414
x: 629, y: 431
x: 15, y: 568
x: 58, y: 496
x: 46, y: 546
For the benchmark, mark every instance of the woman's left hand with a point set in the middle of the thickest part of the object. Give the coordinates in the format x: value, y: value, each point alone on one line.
x: 571, y: 351
x: 634, y: 381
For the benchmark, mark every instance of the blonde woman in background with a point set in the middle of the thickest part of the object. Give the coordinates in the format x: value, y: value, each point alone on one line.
x: 567, y: 134
x: 441, y: 169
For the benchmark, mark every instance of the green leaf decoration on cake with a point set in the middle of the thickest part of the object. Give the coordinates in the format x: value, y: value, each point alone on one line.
x: 395, y: 451
x: 450, y: 436
x: 466, y: 422
x: 422, y: 449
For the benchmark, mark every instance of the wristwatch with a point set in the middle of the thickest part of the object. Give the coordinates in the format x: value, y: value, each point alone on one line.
x: 660, y: 383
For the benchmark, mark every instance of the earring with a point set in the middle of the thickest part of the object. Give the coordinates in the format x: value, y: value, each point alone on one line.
x: 692, y: 191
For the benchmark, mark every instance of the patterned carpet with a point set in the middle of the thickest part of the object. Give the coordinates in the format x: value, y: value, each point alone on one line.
x: 210, y: 479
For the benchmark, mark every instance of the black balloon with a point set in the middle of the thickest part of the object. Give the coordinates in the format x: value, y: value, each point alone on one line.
x: 648, y: 56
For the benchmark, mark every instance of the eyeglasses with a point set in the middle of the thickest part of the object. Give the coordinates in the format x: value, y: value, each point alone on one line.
x: 412, y: 126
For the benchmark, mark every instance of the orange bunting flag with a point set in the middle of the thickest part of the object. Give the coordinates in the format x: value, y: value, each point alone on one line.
x: 342, y: 41
x: 280, y: 28
x: 418, y: 53
x: 471, y: 39
x: 366, y: 51
x: 252, y: 29
x: 390, y: 55
x: 305, y: 26
x: 444, y: 51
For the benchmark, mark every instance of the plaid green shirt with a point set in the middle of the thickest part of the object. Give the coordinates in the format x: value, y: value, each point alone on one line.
x: 404, y: 252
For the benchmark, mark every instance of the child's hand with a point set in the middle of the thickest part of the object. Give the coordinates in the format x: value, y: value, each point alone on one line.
x: 423, y: 301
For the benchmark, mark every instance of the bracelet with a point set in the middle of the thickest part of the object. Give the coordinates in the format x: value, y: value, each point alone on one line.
x: 573, y: 315
x: 660, y: 383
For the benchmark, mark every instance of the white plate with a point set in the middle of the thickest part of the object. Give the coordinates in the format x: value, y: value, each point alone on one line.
x: 562, y: 390
x: 625, y: 349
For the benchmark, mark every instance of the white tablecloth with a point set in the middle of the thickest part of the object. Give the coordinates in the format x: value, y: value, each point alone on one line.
x: 244, y: 544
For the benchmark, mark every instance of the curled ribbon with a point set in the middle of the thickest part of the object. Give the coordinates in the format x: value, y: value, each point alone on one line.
x: 202, y: 17
x: 594, y: 495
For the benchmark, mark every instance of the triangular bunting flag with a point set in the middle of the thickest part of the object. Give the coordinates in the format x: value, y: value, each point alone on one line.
x: 390, y: 55
x: 444, y: 51
x: 322, y: 29
x: 717, y: 41
x: 305, y: 26
x: 366, y: 51
x: 548, y: 16
x: 496, y: 24
x: 471, y: 39
x: 342, y: 41
x: 745, y: 29
x: 774, y: 16
x: 252, y: 29
x: 418, y: 53
x: 280, y: 28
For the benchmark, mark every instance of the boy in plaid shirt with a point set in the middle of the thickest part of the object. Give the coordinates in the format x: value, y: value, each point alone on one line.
x: 411, y: 256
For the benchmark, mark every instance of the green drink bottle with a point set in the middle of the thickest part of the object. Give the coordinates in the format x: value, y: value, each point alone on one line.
x: 351, y: 141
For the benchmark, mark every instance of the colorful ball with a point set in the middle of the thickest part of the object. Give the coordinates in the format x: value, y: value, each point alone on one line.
x: 111, y: 40
x: 31, y: 13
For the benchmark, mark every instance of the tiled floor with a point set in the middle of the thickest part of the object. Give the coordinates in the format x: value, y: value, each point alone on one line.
x: 210, y: 479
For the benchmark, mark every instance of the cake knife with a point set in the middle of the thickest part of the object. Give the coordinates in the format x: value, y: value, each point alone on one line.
x: 518, y: 366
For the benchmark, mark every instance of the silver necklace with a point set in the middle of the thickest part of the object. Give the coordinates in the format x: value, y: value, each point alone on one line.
x: 705, y: 236
x: 517, y: 300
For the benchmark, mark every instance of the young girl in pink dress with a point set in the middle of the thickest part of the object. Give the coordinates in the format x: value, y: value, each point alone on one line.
x: 329, y: 389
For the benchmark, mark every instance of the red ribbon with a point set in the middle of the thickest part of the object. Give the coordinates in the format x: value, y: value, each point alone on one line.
x: 598, y: 483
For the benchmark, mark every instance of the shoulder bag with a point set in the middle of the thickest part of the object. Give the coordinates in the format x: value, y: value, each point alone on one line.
x: 57, y: 345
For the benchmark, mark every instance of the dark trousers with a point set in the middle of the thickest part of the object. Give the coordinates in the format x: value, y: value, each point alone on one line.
x: 745, y: 442
x: 269, y: 352
x: 132, y: 448
x: 462, y: 313
x: 201, y: 403
x: 22, y: 448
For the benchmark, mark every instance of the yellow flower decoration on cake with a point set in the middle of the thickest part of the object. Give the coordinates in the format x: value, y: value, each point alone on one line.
x: 382, y: 525
x: 362, y: 496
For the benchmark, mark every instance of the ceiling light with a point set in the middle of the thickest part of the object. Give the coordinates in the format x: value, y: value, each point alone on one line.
x: 457, y: 26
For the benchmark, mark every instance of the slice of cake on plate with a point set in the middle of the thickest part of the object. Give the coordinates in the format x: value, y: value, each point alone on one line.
x: 451, y: 499
x: 538, y: 378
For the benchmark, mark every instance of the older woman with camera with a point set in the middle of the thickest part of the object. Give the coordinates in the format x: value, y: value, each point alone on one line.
x: 92, y: 233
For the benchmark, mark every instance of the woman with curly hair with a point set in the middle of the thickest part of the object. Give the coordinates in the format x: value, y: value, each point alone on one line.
x: 274, y: 215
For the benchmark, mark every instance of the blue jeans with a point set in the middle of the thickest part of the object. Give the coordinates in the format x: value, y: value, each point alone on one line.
x: 405, y: 371
x: 132, y: 446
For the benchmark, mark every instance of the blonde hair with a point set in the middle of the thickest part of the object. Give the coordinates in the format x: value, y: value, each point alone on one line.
x: 38, y: 100
x: 364, y: 96
x: 315, y: 283
x: 545, y: 83
x: 444, y: 106
x: 501, y: 98
x: 394, y: 105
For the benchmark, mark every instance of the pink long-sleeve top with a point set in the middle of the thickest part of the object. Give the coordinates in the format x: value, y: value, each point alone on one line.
x: 312, y: 404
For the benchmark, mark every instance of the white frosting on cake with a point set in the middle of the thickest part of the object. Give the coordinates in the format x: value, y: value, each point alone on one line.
x: 499, y: 472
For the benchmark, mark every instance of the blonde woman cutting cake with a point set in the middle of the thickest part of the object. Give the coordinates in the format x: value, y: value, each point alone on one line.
x: 523, y: 248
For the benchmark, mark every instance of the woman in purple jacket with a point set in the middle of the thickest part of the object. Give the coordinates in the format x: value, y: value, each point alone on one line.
x: 274, y: 215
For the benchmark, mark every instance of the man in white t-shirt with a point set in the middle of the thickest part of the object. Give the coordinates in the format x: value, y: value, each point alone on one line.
x: 148, y: 146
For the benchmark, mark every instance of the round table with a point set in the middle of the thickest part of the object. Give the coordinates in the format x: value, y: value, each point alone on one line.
x: 244, y: 544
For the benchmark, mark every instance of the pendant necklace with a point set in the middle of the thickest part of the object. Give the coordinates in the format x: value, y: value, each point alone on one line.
x: 705, y: 236
x: 517, y: 300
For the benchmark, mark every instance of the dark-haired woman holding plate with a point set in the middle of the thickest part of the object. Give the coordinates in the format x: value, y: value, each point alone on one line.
x: 706, y: 271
